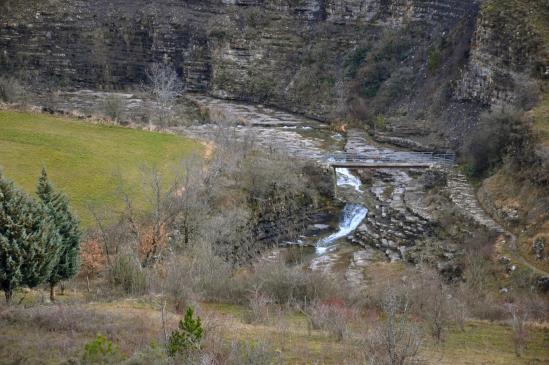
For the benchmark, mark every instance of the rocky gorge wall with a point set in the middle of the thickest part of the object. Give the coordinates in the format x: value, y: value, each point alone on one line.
x: 408, y: 61
x: 509, y: 53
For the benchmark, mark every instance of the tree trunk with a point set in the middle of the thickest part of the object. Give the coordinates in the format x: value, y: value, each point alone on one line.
x: 52, y: 292
x: 62, y: 286
x: 9, y: 295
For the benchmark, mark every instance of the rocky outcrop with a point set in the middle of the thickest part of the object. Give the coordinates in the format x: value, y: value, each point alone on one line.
x: 392, y: 226
x: 450, y: 60
x: 294, y: 55
x: 507, y: 54
x: 463, y: 196
x: 404, y: 219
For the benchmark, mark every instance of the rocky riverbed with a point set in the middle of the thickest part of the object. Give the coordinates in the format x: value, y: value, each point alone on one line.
x: 407, y: 215
x: 405, y: 208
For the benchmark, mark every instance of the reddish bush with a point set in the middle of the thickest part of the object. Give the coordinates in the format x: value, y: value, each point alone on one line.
x: 92, y: 258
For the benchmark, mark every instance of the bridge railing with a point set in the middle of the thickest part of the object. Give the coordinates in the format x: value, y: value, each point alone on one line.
x: 441, y: 159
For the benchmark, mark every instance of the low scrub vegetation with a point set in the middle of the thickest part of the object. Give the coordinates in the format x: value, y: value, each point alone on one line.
x: 504, y: 137
x: 407, y: 319
x: 12, y: 90
x: 183, y: 281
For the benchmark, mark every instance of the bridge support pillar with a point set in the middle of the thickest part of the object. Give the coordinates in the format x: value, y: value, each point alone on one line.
x: 335, y: 181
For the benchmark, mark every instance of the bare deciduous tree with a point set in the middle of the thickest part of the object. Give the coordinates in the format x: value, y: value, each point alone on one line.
x: 432, y: 300
x: 165, y: 86
x: 191, y: 197
x: 519, y: 316
x: 396, y: 340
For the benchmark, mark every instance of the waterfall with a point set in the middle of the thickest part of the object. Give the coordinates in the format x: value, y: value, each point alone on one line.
x: 351, y: 216
x: 345, y: 177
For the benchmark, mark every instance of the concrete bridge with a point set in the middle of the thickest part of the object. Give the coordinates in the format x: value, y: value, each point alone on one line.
x: 391, y: 160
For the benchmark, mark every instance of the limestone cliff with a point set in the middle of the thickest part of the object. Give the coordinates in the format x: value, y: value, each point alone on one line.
x: 425, y: 68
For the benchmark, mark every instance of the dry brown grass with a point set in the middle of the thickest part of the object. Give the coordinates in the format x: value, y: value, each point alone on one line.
x: 50, y: 334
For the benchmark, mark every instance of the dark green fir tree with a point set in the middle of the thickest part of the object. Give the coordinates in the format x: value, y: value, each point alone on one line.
x: 57, y: 207
x: 29, y: 242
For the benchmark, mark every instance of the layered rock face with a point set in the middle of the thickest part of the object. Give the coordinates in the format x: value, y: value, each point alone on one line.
x: 507, y: 55
x: 305, y: 56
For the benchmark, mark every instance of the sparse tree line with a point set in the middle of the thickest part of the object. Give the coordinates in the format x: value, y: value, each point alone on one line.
x: 39, y: 238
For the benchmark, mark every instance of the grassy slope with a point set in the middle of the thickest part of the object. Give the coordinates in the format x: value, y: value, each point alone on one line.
x: 83, y: 158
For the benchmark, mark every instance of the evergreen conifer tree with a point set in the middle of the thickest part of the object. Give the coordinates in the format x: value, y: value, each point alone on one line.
x: 66, y: 224
x: 29, y: 242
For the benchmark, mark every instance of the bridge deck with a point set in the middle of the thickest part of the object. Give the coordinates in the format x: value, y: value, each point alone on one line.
x: 395, y: 160
x: 381, y: 165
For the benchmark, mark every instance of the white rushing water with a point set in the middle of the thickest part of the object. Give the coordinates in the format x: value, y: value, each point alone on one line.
x: 352, y: 215
x: 346, y: 178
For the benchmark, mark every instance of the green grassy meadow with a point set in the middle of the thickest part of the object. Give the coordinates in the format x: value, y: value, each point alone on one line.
x: 85, y: 160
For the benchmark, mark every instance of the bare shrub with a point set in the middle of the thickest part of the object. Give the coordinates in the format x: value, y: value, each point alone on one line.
x: 479, y: 300
x: 518, y: 317
x: 12, y: 90
x: 287, y: 285
x: 459, y: 309
x: 438, y: 312
x: 253, y: 353
x: 198, y: 275
x: 332, y: 317
x: 476, y: 272
x: 258, y: 307
x: 177, y: 283
x: 113, y: 107
x: 128, y: 274
x: 395, y: 340
x: 431, y: 297
x: 210, y: 273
